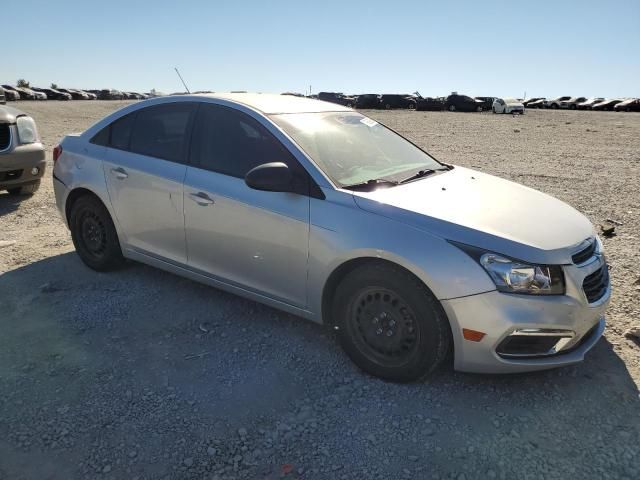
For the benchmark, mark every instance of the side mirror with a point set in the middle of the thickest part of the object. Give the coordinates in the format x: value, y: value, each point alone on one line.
x: 270, y: 177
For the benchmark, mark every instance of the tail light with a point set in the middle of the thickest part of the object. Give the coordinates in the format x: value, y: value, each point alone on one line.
x: 57, y: 151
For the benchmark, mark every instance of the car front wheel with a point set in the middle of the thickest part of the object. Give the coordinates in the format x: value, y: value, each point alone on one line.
x: 452, y: 108
x: 94, y: 235
x: 390, y: 324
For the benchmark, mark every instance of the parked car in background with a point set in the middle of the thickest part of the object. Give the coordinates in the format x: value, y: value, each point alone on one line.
x: 534, y: 100
x: 10, y: 93
x: 572, y: 103
x: 278, y: 198
x: 462, y: 103
x: 53, y: 94
x: 487, y: 102
x: 630, y: 105
x: 22, y: 156
x: 555, y: 102
x: 507, y: 105
x: 368, y: 100
x: 337, y: 98
x: 3, y: 99
x: 25, y: 93
x: 590, y: 102
x: 431, y: 104
x: 107, y: 94
x: 92, y: 96
x: 75, y: 94
x: 607, y: 105
x: 391, y: 101
x: 35, y: 95
x: 535, y: 103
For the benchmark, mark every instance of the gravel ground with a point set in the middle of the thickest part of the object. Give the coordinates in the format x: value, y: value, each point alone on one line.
x: 142, y: 374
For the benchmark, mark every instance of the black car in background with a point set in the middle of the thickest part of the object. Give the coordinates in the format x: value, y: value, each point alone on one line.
x: 607, y: 105
x: 631, y: 105
x: 390, y: 101
x: 53, y: 94
x: 535, y: 102
x: 368, y: 100
x: 75, y: 94
x: 462, y: 103
x: 3, y: 99
x: 106, y: 94
x: 430, y: 104
x: 338, y: 98
x: 10, y: 93
x: 487, y: 102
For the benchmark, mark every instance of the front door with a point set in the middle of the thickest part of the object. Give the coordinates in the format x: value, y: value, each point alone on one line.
x: 252, y: 239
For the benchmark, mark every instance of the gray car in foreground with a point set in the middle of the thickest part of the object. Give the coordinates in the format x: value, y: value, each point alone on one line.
x: 22, y: 156
x: 320, y: 211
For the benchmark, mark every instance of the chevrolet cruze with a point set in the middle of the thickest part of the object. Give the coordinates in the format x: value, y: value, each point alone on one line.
x: 315, y: 209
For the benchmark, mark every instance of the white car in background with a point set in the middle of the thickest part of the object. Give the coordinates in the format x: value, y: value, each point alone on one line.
x: 507, y: 105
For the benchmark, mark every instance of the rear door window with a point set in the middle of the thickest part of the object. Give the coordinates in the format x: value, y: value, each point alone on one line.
x: 161, y: 131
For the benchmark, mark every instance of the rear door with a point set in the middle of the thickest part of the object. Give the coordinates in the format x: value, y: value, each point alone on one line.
x: 253, y: 239
x: 145, y: 168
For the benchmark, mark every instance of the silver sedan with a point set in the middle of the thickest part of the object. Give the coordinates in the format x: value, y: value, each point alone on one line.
x: 318, y: 210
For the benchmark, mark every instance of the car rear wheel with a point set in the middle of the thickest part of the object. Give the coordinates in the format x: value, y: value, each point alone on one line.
x: 390, y: 324
x: 25, y: 189
x: 94, y: 235
x: 554, y: 106
x: 452, y: 108
x: 479, y: 109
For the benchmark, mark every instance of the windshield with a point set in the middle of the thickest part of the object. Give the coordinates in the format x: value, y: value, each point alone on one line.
x: 351, y: 148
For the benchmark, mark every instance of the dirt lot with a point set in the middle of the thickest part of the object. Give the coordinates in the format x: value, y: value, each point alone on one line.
x: 142, y: 374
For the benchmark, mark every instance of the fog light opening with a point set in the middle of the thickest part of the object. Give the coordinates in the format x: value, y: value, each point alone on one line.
x: 535, y: 343
x: 35, y: 171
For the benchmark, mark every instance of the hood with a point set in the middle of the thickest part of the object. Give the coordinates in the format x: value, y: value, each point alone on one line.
x: 9, y: 114
x: 485, y: 211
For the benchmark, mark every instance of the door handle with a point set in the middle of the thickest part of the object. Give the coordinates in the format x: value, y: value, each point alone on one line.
x: 119, y: 173
x: 201, y: 198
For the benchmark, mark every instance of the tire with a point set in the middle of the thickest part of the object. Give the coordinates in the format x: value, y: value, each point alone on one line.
x: 390, y: 324
x: 479, y: 109
x: 554, y: 106
x: 94, y: 235
x: 412, y: 106
x: 493, y: 109
x: 25, y: 189
x: 627, y: 109
x: 387, y: 107
x: 452, y: 108
x: 572, y: 107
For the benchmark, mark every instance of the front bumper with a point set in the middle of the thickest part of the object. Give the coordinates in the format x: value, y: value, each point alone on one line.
x: 16, y: 165
x: 499, y: 314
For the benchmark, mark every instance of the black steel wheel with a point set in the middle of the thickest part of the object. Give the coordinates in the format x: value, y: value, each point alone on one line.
x: 389, y: 323
x: 94, y: 235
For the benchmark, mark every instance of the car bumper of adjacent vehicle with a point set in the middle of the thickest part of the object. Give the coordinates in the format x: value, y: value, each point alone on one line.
x: 22, y: 165
x: 524, y: 332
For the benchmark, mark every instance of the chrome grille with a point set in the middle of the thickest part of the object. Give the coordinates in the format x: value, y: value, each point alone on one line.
x: 596, y: 284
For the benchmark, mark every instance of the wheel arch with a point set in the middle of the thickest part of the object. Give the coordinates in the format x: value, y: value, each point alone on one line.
x: 73, y: 197
x: 341, y: 271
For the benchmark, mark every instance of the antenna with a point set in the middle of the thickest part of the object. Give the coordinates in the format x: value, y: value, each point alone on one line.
x: 182, y: 80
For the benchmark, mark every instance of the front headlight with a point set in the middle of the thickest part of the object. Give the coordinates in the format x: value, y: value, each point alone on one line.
x: 514, y: 276
x: 27, y: 131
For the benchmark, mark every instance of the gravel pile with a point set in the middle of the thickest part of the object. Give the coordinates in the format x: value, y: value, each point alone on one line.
x: 142, y: 374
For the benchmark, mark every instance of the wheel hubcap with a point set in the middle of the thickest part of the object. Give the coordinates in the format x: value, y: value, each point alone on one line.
x: 94, y: 235
x: 384, y: 326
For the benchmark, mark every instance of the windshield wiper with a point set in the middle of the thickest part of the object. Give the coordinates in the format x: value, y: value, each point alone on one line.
x: 371, y: 184
x: 425, y: 173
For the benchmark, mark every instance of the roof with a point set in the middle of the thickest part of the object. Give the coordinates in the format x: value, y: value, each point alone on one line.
x: 270, y: 103
x: 9, y: 114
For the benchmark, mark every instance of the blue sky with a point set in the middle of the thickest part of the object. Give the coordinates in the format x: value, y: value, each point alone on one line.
x: 501, y: 48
